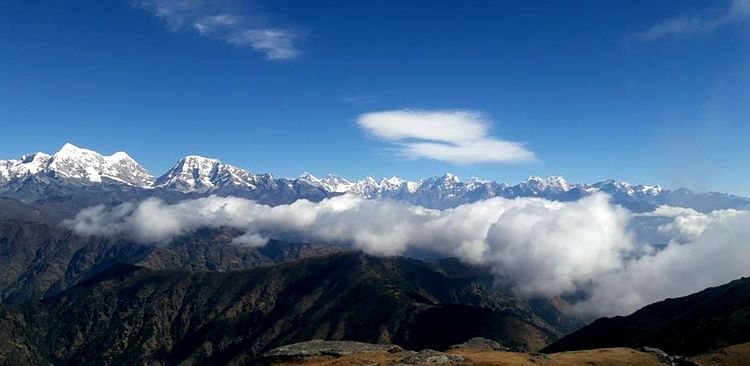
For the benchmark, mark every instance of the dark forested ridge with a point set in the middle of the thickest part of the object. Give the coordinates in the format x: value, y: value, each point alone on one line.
x: 134, y: 315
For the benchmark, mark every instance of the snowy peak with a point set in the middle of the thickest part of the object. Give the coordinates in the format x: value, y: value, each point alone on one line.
x: 119, y: 156
x: 194, y: 165
x: 76, y: 163
x: 448, y: 177
x: 474, y: 184
x: 39, y: 159
x: 447, y: 181
x: 79, y: 165
x: 195, y: 173
x: 71, y: 150
x: 191, y: 173
x: 391, y: 184
x: 648, y: 190
x: 29, y: 164
x: 612, y: 187
x: 310, y: 179
x: 334, y: 183
x: 538, y: 184
x: 558, y: 183
x: 330, y: 183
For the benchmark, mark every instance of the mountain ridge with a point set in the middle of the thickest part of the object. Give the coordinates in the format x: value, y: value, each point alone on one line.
x: 195, y: 175
x: 146, y: 316
x: 713, y: 318
x: 39, y: 259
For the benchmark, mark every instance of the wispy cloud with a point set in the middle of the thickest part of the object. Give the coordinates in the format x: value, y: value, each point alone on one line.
x: 738, y: 13
x: 230, y: 21
x: 454, y: 136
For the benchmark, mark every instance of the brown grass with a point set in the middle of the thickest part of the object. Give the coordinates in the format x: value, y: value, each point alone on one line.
x: 600, y: 357
x: 737, y: 355
x: 379, y: 358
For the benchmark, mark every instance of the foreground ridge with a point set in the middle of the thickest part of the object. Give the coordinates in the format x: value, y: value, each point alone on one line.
x: 473, y: 352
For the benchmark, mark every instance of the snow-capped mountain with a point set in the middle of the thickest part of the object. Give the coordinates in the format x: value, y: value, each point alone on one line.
x: 77, y: 165
x: 198, y: 174
x: 39, y: 176
x: 330, y: 183
x: 610, y: 186
x: 449, y: 191
x: 554, y: 184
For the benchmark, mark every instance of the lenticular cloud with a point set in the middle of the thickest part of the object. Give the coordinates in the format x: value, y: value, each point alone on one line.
x: 543, y: 248
x: 455, y: 136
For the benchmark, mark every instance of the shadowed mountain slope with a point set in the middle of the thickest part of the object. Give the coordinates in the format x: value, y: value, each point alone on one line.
x: 713, y: 318
x: 39, y: 259
x: 132, y: 315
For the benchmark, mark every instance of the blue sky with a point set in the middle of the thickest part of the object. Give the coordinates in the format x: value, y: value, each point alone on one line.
x: 650, y: 92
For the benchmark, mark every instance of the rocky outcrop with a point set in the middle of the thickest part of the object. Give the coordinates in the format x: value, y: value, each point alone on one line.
x: 429, y: 357
x: 300, y: 352
x: 667, y: 359
x: 319, y: 347
x: 480, y: 343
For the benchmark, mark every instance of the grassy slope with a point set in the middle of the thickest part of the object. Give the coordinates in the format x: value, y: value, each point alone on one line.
x: 599, y: 357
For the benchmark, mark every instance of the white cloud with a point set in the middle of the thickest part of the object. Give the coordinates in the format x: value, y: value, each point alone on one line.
x: 230, y: 21
x: 557, y: 251
x: 738, y: 13
x: 708, y: 250
x: 542, y: 247
x: 691, y: 225
x: 454, y: 136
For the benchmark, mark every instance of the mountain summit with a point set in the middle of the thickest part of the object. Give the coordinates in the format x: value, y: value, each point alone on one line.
x: 199, y: 174
x: 77, y: 164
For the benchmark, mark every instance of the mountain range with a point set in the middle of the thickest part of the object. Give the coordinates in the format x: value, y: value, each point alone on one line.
x: 93, y: 178
x: 199, y: 298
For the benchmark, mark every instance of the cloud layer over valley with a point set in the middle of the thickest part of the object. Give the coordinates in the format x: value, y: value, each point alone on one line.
x: 542, y: 247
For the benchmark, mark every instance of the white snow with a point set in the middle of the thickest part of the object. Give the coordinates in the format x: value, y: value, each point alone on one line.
x: 196, y: 173
x: 72, y: 162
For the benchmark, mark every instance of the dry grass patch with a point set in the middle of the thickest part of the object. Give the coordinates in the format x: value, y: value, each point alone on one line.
x: 737, y: 355
x: 599, y: 357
